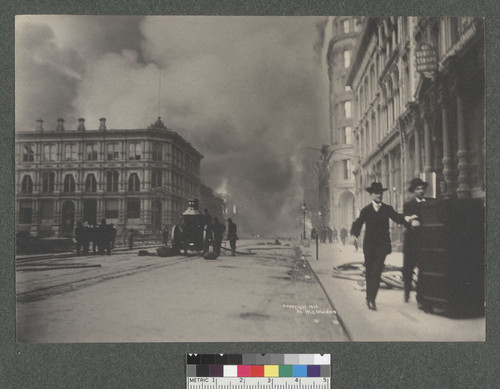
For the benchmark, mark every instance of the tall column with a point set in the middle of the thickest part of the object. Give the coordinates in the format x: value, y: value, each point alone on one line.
x: 418, y: 162
x: 463, y: 190
x: 425, y: 113
x: 447, y: 157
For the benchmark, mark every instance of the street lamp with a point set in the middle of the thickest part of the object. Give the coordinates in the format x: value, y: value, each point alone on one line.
x: 304, y: 209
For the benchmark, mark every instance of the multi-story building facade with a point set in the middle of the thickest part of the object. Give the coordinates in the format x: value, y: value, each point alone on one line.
x: 139, y: 178
x: 422, y: 118
x: 345, y: 31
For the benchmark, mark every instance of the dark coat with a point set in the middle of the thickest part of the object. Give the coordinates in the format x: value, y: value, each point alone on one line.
x: 231, y: 231
x: 377, y: 227
x: 412, y: 207
x: 218, y: 231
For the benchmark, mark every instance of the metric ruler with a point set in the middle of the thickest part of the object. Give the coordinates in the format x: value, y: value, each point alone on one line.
x: 258, y: 371
x: 258, y: 383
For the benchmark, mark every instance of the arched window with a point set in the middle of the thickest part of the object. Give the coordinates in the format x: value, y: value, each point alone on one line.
x: 112, y: 181
x: 69, y: 183
x: 48, y: 179
x: 134, y: 184
x: 27, y: 185
x: 90, y: 183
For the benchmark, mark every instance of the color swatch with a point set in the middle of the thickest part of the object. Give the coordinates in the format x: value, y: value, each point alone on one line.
x: 258, y: 365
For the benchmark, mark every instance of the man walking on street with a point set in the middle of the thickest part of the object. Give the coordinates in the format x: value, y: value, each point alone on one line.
x: 208, y: 231
x: 232, y: 235
x: 410, y: 245
x: 377, y: 241
x: 218, y: 232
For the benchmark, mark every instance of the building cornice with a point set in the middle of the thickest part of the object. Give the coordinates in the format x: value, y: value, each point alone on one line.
x: 363, y: 42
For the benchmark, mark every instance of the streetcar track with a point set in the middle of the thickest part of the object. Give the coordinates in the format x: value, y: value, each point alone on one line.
x: 48, y: 291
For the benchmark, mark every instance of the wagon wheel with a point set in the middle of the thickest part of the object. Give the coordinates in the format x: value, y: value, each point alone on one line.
x: 177, y: 238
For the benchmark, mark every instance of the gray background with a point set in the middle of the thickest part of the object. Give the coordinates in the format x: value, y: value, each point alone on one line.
x: 137, y: 365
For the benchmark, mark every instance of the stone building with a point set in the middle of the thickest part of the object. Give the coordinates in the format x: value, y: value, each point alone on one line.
x: 419, y: 107
x: 345, y: 31
x: 133, y: 178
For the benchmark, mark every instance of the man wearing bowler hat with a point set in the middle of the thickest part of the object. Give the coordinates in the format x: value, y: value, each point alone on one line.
x: 412, y: 209
x: 377, y: 241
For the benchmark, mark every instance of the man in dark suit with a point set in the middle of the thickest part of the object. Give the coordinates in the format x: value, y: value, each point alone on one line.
x: 377, y: 241
x: 412, y: 208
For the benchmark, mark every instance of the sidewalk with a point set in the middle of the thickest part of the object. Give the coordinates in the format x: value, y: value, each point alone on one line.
x: 394, y: 319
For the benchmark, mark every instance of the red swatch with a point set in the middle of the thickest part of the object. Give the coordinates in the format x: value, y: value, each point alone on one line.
x: 257, y: 371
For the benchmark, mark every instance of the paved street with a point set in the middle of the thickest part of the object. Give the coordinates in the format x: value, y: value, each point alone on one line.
x: 267, y: 293
x: 394, y: 320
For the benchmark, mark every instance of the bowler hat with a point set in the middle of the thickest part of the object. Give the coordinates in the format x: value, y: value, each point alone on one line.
x: 376, y: 187
x: 417, y: 182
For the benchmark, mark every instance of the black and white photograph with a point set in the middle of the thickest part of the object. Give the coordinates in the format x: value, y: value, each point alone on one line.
x: 249, y: 179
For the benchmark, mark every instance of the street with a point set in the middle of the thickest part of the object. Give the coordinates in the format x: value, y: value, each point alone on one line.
x: 266, y: 293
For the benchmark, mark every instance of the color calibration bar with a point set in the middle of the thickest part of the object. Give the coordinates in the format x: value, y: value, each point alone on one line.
x: 262, y: 371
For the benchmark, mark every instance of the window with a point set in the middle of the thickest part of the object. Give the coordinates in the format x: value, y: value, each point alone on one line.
x: 112, y: 181
x: 28, y: 153
x: 347, y: 88
x: 92, y: 150
x: 70, y: 152
x: 48, y: 179
x: 27, y: 185
x: 134, y: 184
x: 134, y: 150
x: 347, y: 109
x: 69, y: 183
x: 133, y: 208
x: 111, y: 211
x: 113, y: 151
x: 156, y: 179
x: 346, y: 165
x: 347, y: 135
x: 25, y: 212
x: 345, y: 25
x: 49, y: 152
x: 90, y: 183
x: 157, y: 151
x: 347, y: 58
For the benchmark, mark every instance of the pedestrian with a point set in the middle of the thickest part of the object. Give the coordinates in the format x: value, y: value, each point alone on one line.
x: 232, y: 235
x: 93, y: 238
x: 335, y: 235
x: 219, y: 229
x: 343, y: 235
x: 79, y: 235
x: 330, y: 234
x: 412, y: 208
x: 164, y: 235
x: 112, y: 232
x: 104, y: 238
x: 377, y: 241
x: 208, y: 230
x: 86, y: 237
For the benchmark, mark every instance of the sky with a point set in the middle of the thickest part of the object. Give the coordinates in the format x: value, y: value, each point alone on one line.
x: 249, y: 93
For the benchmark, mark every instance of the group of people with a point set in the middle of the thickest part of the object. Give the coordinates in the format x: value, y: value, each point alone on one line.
x: 377, y: 242
x: 101, y: 237
x: 215, y: 232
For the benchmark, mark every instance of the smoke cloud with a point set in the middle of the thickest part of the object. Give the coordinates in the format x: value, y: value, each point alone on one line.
x: 250, y: 93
